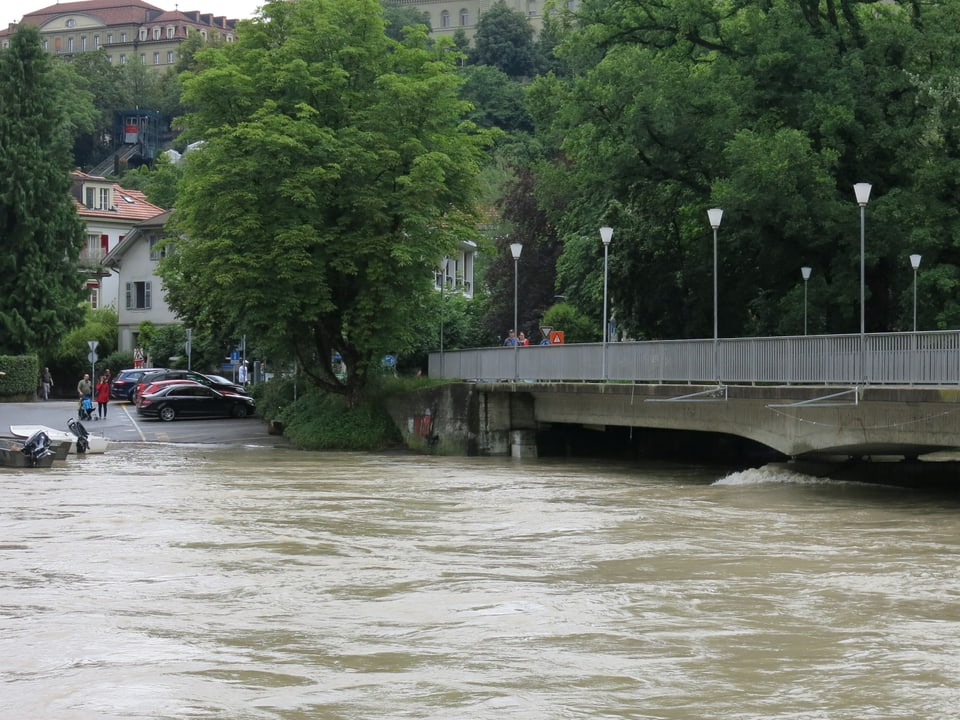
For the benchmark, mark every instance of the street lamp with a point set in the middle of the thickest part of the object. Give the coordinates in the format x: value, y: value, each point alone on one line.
x: 515, y: 250
x: 915, y: 262
x: 862, y: 191
x: 715, y: 215
x: 606, y: 235
x: 805, y: 271
x: 444, y: 267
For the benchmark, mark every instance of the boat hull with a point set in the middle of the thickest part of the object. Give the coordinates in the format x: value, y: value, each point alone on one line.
x: 10, y: 455
x: 97, y: 444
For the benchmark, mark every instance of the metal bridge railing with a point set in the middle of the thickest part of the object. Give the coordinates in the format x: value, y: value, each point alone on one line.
x: 923, y: 358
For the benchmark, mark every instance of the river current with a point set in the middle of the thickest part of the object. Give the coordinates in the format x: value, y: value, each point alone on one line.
x: 254, y: 583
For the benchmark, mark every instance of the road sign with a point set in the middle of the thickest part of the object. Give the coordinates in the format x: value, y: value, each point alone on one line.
x: 92, y: 344
x: 556, y: 337
x: 389, y: 361
x: 545, y: 331
x: 92, y: 356
x: 234, y: 356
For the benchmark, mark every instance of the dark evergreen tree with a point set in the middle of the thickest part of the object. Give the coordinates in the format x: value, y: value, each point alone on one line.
x: 40, y: 231
x: 504, y: 40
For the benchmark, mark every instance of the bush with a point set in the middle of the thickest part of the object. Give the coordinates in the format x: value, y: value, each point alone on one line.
x: 319, y: 421
x: 20, y: 379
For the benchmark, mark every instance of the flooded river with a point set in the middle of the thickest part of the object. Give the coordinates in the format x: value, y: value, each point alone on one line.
x: 246, y: 583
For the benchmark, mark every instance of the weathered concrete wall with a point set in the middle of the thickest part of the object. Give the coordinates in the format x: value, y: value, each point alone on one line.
x: 798, y: 421
x: 458, y: 419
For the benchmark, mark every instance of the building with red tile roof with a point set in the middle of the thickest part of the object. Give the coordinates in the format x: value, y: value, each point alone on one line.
x: 126, y: 30
x: 110, y: 213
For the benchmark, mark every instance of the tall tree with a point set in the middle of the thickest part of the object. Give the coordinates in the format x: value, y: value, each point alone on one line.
x: 504, y: 40
x: 772, y: 110
x: 335, y: 174
x: 40, y: 231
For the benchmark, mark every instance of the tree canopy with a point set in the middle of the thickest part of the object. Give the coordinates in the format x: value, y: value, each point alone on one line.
x: 335, y: 174
x: 40, y: 231
x: 771, y: 110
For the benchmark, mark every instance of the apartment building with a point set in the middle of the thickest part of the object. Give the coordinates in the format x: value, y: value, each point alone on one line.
x: 127, y: 31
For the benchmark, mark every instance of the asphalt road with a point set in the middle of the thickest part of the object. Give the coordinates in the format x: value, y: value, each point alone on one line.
x: 123, y: 425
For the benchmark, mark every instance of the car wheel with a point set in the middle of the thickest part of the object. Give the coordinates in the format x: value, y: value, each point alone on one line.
x: 130, y: 394
x: 238, y: 411
x: 167, y: 413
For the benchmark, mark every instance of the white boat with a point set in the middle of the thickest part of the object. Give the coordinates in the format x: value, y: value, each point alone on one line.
x: 96, y: 443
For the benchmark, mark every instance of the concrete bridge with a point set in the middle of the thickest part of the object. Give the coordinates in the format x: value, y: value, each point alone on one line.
x: 807, y: 397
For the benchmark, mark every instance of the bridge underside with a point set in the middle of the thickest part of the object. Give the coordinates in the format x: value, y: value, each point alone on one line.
x: 807, y: 422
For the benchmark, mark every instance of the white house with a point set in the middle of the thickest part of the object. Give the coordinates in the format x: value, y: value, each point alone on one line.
x: 133, y: 263
x: 110, y: 213
x: 455, y: 273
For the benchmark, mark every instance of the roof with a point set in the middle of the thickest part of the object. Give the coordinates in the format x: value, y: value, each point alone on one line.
x: 110, y: 12
x: 112, y: 258
x: 128, y: 205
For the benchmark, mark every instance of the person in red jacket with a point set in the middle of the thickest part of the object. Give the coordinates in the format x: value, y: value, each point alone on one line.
x: 102, y: 394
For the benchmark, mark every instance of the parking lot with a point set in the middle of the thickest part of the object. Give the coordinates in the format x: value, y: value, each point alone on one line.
x: 123, y: 425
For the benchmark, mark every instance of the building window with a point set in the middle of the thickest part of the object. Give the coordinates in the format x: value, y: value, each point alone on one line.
x: 46, y: 45
x: 169, y: 57
x: 70, y: 44
x: 138, y: 295
x: 96, y: 42
x: 123, y: 37
x: 106, y: 198
x: 143, y: 33
x: 156, y: 58
x: 157, y: 249
x: 156, y: 33
x: 109, y: 38
x: 171, y: 31
x: 143, y: 58
x: 123, y: 59
x: 71, y: 23
x: 83, y: 43
x: 445, y: 19
x: 94, y: 295
x: 464, y: 17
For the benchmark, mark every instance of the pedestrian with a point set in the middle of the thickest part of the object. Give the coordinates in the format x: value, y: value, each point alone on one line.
x: 511, y: 340
x: 85, y: 390
x: 138, y: 357
x: 243, y: 374
x: 103, y: 397
x: 522, y: 340
x: 46, y: 383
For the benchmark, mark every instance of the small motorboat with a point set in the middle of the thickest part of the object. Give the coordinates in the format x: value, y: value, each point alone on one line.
x: 94, y: 444
x: 33, y: 452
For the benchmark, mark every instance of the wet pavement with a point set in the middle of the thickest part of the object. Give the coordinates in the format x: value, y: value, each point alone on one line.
x: 122, y: 425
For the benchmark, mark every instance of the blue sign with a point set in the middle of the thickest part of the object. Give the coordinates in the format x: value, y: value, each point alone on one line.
x: 389, y: 360
x: 235, y: 356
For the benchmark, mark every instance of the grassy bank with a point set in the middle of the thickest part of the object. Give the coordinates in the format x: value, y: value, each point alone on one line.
x: 314, y: 420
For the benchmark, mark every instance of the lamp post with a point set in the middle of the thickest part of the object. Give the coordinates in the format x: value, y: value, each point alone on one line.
x: 915, y: 262
x: 606, y: 235
x: 443, y: 282
x: 805, y: 272
x: 862, y: 191
x: 515, y: 250
x: 715, y: 215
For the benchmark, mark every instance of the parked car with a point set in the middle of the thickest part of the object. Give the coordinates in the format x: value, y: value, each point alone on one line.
x: 124, y: 385
x: 221, y: 384
x: 188, y: 399
x: 152, y: 387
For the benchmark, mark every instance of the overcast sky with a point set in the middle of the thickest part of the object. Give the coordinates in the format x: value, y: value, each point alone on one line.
x: 14, y: 10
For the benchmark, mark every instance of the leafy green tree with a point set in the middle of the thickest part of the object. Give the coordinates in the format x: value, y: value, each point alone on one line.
x: 40, y: 231
x: 497, y: 99
x: 504, y: 40
x: 771, y: 110
x: 399, y: 17
x: 97, y: 75
x: 335, y: 173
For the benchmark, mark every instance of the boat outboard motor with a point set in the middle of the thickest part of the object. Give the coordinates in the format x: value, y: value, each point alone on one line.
x: 81, y: 432
x: 37, y: 447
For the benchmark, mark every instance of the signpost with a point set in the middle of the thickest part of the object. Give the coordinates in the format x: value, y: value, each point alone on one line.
x: 92, y: 357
